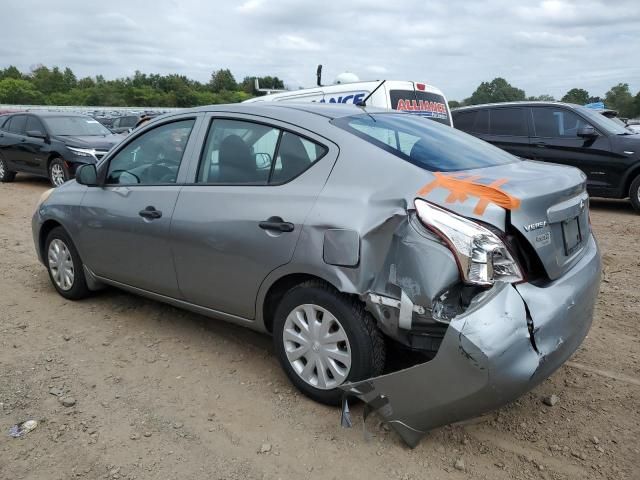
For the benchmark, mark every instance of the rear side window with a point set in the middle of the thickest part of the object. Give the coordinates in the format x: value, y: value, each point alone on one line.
x: 465, y: 120
x: 17, y: 124
x: 237, y: 152
x: 556, y: 122
x: 426, y: 144
x: 426, y: 104
x: 508, y: 121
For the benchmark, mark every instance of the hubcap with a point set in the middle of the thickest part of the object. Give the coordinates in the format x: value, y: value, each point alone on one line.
x: 57, y: 174
x: 3, y: 170
x: 317, y: 346
x: 61, y: 264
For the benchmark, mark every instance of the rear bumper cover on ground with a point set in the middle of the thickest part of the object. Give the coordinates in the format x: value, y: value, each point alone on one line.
x: 487, y: 357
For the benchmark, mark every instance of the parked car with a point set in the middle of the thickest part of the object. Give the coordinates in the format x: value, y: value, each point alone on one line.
x: 340, y: 230
x: 51, y: 145
x: 127, y: 123
x: 562, y: 133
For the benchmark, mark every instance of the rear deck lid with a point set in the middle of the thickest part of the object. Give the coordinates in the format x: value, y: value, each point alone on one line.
x: 547, y: 204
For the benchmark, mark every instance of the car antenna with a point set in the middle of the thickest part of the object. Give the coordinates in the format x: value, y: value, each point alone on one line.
x: 363, y: 103
x: 319, y: 76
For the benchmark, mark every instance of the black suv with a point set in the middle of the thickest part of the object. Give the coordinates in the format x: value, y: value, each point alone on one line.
x: 50, y: 144
x: 608, y: 153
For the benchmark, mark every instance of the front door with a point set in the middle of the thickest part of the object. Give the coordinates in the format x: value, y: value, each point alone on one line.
x: 125, y: 223
x: 556, y: 140
x: 242, y: 217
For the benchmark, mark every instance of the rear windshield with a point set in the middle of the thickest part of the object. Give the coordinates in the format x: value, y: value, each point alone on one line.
x: 425, y: 104
x: 75, y: 126
x: 424, y: 143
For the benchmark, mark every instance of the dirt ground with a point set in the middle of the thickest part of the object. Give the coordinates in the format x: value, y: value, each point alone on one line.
x: 164, y: 394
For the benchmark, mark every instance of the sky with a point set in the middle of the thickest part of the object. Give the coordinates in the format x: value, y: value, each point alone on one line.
x: 543, y: 47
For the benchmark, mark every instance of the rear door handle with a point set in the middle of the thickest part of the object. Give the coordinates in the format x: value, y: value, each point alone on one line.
x: 540, y: 144
x: 150, y: 212
x: 276, y: 224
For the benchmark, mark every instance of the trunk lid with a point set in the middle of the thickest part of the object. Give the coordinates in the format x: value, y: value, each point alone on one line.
x: 546, y: 203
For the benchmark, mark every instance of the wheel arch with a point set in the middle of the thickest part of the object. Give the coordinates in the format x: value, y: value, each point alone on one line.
x: 45, y: 229
x: 630, y: 177
x: 272, y: 294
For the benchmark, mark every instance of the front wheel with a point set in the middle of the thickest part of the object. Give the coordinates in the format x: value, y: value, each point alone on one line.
x: 323, y: 339
x: 634, y: 193
x: 64, y: 265
x: 6, y: 175
x: 58, y: 173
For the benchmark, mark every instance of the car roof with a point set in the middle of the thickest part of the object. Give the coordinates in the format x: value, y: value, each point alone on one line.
x: 48, y: 114
x: 523, y: 103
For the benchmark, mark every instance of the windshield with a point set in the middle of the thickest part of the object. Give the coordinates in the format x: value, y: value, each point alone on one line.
x: 424, y: 143
x: 601, y: 121
x: 426, y: 104
x: 75, y: 126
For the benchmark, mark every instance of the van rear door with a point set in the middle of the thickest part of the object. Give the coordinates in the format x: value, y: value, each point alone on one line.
x: 422, y: 102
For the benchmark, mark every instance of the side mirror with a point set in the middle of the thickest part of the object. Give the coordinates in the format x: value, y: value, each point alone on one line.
x: 587, y: 131
x: 36, y: 134
x: 87, y: 175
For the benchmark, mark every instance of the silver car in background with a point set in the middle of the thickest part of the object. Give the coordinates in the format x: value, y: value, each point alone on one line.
x: 393, y: 259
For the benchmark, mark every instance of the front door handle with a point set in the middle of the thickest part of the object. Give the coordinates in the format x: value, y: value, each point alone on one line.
x: 276, y: 224
x: 150, y: 212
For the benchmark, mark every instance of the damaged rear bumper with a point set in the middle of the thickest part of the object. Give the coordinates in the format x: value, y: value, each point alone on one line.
x: 487, y: 357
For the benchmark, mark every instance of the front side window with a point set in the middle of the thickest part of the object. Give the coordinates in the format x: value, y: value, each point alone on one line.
x: 465, y: 120
x: 152, y: 158
x: 426, y: 144
x: 246, y: 153
x: 34, y: 125
x: 556, y: 122
x: 508, y: 121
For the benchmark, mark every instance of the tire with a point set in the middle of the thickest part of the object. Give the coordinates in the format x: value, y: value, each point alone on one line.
x: 360, y: 356
x: 58, y: 173
x: 60, y: 252
x: 6, y: 175
x: 634, y: 193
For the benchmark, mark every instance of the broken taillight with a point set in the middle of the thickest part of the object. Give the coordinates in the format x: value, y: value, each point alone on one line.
x: 482, y: 257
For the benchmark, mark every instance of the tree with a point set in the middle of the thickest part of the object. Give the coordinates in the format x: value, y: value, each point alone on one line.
x: 454, y: 104
x: 222, y: 80
x: 542, y: 98
x: 16, y: 91
x: 636, y: 103
x: 10, y: 72
x: 497, y: 90
x: 619, y: 98
x: 576, y: 95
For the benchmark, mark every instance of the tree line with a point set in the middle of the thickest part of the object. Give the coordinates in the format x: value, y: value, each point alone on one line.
x: 619, y: 97
x: 54, y: 86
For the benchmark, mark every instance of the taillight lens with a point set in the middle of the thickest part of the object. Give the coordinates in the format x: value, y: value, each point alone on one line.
x: 482, y: 256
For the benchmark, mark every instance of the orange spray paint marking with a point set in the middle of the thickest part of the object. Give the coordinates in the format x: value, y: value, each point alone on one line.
x: 462, y: 186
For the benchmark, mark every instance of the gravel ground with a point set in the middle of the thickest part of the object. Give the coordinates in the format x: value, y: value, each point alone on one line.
x: 127, y: 388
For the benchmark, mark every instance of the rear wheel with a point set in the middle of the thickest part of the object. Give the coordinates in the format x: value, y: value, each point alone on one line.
x: 6, y: 175
x: 634, y: 193
x: 64, y: 265
x: 324, y: 339
x: 58, y: 173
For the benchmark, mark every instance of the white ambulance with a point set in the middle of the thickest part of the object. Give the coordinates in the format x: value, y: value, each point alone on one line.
x: 415, y: 97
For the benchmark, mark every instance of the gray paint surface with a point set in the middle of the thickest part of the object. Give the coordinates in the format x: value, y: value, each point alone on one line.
x: 208, y: 255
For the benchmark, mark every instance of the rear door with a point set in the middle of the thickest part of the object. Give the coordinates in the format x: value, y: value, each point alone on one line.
x: 35, y: 149
x: 125, y: 223
x: 509, y: 130
x: 241, y: 216
x: 555, y: 139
